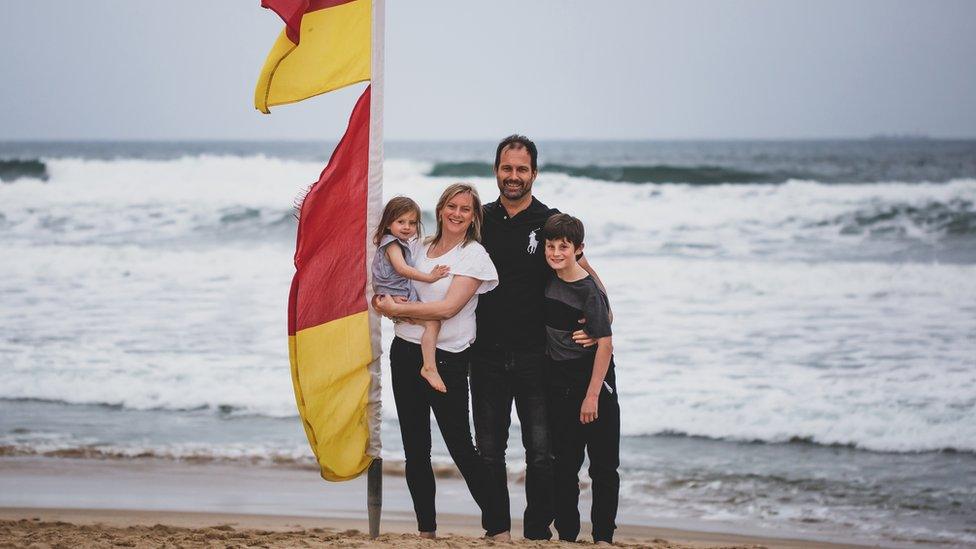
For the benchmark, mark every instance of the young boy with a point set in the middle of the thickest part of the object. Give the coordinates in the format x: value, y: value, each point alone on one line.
x: 583, y: 408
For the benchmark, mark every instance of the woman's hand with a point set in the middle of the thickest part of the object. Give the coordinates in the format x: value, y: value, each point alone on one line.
x: 588, y: 412
x: 385, y: 305
x: 390, y: 308
x: 375, y: 303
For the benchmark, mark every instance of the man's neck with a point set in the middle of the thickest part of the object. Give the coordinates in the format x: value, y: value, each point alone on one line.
x: 515, y: 207
x: 571, y: 273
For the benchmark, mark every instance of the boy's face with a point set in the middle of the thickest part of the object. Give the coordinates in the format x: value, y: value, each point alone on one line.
x: 561, y: 253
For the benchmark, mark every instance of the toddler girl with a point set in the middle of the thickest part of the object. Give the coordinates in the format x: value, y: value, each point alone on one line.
x: 392, y: 273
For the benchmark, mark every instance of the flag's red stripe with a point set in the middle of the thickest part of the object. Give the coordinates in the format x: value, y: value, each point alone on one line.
x: 330, y: 256
x: 291, y: 12
x: 292, y: 302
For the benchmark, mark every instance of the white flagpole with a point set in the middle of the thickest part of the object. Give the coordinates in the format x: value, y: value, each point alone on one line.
x: 374, y: 208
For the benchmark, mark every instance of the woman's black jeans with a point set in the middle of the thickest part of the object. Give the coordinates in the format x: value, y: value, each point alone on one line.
x: 415, y: 398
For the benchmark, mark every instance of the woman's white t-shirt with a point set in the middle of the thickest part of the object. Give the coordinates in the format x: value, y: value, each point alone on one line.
x: 458, y: 332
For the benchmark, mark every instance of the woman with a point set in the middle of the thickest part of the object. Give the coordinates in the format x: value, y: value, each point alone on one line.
x: 451, y: 300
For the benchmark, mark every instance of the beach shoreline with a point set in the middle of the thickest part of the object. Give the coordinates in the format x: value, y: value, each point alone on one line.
x: 150, y: 502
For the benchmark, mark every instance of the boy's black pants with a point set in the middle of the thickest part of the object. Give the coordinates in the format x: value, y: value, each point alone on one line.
x: 599, y: 439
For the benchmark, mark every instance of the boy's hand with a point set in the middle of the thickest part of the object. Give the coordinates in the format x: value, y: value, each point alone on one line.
x: 581, y: 337
x: 440, y: 271
x: 588, y: 412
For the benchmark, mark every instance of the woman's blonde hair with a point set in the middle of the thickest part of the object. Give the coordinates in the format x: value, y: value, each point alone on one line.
x: 396, y: 207
x: 474, y: 230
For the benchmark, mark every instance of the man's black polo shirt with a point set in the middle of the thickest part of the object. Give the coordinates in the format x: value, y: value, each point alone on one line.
x: 511, y: 317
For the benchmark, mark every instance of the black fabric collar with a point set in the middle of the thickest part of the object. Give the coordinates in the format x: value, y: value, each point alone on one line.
x: 496, y: 208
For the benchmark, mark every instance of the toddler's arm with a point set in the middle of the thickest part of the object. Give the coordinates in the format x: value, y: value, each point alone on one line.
x: 395, y: 255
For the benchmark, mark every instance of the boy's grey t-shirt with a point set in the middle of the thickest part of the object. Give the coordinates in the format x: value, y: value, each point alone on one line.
x: 566, y: 303
x: 386, y: 281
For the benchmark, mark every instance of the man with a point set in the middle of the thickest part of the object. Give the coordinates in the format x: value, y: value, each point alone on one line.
x: 508, y: 357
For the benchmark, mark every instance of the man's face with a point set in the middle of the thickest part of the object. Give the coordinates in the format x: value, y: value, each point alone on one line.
x: 515, y: 174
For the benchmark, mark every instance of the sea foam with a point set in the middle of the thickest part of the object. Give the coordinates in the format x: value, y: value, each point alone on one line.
x: 830, y: 313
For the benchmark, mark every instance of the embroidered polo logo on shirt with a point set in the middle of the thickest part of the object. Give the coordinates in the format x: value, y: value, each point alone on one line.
x: 533, y: 242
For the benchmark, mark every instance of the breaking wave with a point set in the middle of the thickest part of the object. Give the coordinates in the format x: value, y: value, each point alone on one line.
x: 955, y: 217
x: 13, y: 169
x: 694, y: 175
x: 134, y: 201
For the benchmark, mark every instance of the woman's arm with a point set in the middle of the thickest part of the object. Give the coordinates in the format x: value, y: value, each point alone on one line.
x: 400, y: 265
x: 460, y: 291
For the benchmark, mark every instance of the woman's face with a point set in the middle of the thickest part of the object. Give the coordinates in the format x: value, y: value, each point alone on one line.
x: 457, y: 214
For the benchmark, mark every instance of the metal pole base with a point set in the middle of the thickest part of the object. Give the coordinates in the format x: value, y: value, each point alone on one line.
x: 374, y: 496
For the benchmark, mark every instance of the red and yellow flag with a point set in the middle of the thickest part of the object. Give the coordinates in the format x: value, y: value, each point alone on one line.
x: 333, y: 336
x: 328, y: 317
x: 325, y: 46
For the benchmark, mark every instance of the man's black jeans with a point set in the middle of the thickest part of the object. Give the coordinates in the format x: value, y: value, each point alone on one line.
x: 415, y: 399
x: 498, y: 378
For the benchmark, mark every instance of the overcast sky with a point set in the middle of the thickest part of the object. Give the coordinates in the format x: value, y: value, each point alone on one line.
x: 598, y: 69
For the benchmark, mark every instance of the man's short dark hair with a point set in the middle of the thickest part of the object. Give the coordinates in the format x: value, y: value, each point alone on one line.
x: 516, y: 142
x: 564, y: 226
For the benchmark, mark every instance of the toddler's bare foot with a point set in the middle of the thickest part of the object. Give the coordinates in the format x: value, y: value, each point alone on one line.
x: 501, y: 536
x: 428, y: 535
x: 430, y: 374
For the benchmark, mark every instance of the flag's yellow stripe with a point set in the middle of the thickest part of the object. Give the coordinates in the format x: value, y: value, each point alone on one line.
x: 329, y: 367
x: 334, y: 51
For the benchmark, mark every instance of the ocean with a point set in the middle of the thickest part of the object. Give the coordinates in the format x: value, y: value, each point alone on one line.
x: 795, y: 321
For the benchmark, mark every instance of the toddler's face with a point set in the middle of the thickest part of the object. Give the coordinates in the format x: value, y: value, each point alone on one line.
x: 404, y: 227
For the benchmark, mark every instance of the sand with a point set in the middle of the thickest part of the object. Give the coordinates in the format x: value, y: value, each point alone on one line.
x: 26, y: 527
x: 49, y: 502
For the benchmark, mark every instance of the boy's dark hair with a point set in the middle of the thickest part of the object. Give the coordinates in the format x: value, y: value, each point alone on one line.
x: 516, y: 142
x: 564, y: 226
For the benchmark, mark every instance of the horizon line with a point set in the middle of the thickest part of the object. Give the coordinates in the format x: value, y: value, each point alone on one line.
x: 874, y: 137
